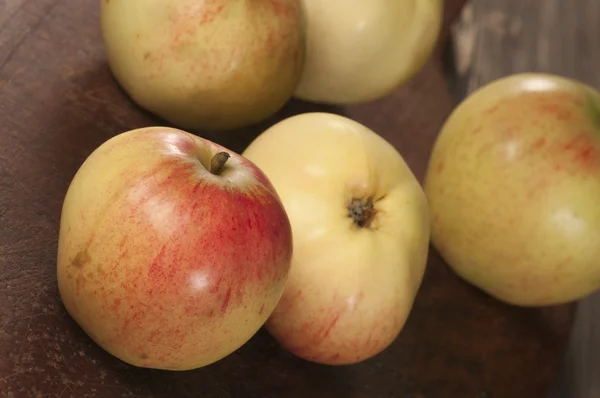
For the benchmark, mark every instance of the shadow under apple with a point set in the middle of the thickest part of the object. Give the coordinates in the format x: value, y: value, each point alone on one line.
x: 236, y: 139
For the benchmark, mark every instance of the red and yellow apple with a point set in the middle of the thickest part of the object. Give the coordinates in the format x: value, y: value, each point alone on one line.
x: 361, y: 50
x: 198, y: 64
x: 173, y: 250
x: 360, y: 231
x: 513, y: 186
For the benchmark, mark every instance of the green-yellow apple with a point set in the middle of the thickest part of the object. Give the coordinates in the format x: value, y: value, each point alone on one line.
x: 173, y: 250
x: 361, y: 50
x: 513, y: 185
x: 360, y: 231
x: 218, y: 64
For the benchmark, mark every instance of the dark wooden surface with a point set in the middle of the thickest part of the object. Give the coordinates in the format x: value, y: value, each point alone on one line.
x: 58, y: 102
x: 494, y: 38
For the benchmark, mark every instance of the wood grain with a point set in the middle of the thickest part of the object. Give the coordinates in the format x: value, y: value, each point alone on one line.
x: 494, y: 38
x: 59, y: 102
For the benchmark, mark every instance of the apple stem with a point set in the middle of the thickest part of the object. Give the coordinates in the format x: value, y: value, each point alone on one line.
x: 218, y: 162
x: 362, y: 212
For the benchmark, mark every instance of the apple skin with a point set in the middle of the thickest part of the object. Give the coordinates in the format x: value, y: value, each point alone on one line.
x: 361, y: 50
x: 513, y: 184
x: 164, y: 264
x: 350, y: 289
x: 206, y: 65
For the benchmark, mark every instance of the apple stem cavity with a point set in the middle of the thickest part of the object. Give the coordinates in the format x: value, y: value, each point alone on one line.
x: 362, y: 212
x: 217, y: 164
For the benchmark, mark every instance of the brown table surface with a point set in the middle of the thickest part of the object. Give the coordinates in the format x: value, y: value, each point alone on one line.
x: 58, y: 102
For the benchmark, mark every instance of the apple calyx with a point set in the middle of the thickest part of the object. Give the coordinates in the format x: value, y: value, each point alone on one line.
x: 362, y: 211
x: 217, y: 163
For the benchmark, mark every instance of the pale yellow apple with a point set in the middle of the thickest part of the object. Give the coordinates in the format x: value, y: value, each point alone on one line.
x: 360, y: 231
x: 513, y: 185
x: 361, y: 50
x: 200, y: 64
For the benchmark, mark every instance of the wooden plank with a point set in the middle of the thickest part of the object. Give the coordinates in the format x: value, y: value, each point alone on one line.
x: 494, y: 38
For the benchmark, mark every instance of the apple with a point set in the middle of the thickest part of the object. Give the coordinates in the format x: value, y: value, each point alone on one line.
x: 361, y: 235
x: 513, y: 185
x: 361, y: 50
x: 173, y: 250
x: 218, y: 64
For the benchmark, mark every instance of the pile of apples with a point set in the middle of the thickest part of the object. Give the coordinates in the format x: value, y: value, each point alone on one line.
x: 174, y: 250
